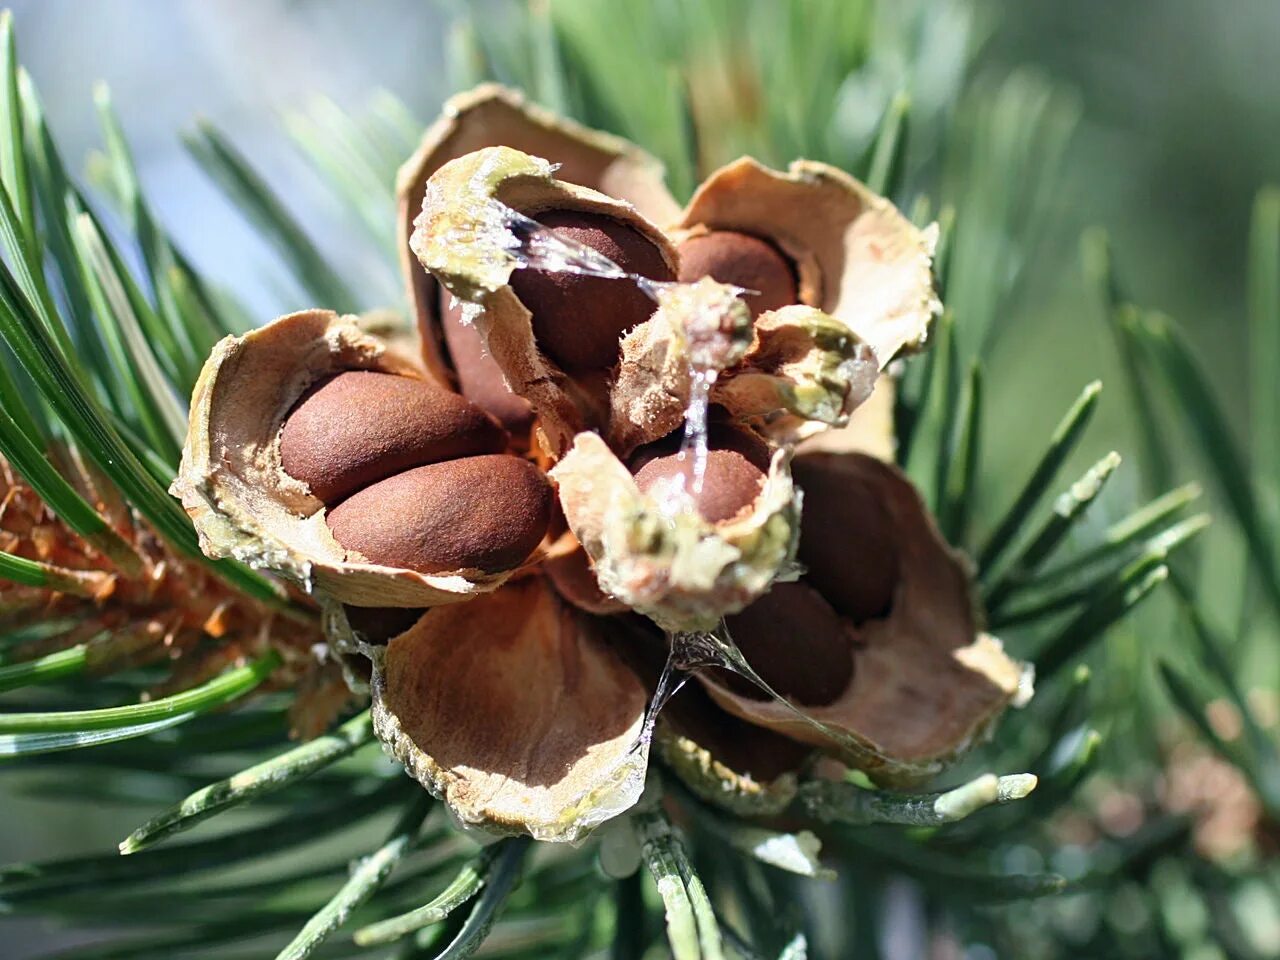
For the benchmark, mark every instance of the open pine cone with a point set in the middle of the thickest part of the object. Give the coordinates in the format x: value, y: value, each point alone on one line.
x: 522, y: 480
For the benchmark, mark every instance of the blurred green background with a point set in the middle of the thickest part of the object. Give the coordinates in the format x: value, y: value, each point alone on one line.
x: 1180, y: 126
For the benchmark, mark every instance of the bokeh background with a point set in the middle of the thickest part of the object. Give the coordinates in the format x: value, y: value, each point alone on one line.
x: 1180, y: 125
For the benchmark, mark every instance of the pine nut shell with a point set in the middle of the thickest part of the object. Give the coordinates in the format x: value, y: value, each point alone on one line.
x: 495, y: 116
x: 927, y: 682
x: 857, y: 257
x: 462, y: 239
x: 678, y: 569
x: 236, y: 492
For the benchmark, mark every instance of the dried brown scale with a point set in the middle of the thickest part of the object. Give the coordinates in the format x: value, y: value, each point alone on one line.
x: 322, y: 696
x: 31, y: 532
x: 856, y: 257
x: 478, y: 513
x: 927, y: 683
x: 736, y: 464
x: 574, y: 578
x: 361, y: 426
x: 380, y: 624
x: 796, y: 643
x: 579, y: 320
x: 846, y: 542
x: 479, y: 377
x: 741, y: 746
x: 516, y: 711
x: 243, y: 502
x: 742, y: 260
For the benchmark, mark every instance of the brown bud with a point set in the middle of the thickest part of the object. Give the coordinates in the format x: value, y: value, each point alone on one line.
x: 796, y: 642
x: 737, y: 461
x: 847, y: 541
x: 479, y: 376
x: 487, y: 513
x: 578, y: 320
x: 742, y: 260
x: 361, y: 426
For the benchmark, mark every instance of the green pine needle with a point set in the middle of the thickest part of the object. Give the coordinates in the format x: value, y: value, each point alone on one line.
x: 500, y: 881
x: 1117, y: 598
x: 835, y: 802
x: 358, y: 160
x: 1264, y: 349
x: 186, y: 335
x: 249, y: 784
x: 469, y: 881
x: 46, y: 669
x: 13, y: 163
x: 40, y: 882
x: 1045, y: 539
x: 884, y: 173
x: 368, y: 875
x: 959, y: 485
x: 162, y: 417
x: 1062, y: 442
x: 630, y: 937
x: 1195, y: 707
x: 963, y: 878
x: 1164, y: 349
x: 929, y: 459
x: 221, y: 690
x: 1073, y: 759
x: 1259, y: 758
x: 692, y: 928
x: 1156, y: 462
x: 1122, y: 535
x: 226, y: 167
x: 32, y: 744
x: 1154, y: 554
